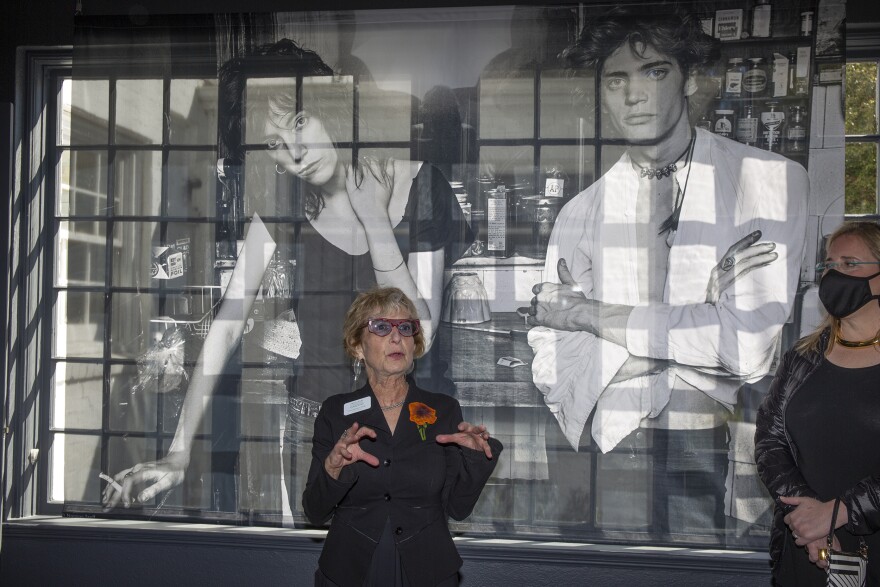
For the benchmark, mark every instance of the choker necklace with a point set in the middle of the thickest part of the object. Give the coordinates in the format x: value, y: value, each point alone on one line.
x: 666, y: 171
x: 392, y: 406
x: 857, y: 344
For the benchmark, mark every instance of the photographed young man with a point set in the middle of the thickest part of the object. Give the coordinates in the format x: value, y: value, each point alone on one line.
x: 673, y: 273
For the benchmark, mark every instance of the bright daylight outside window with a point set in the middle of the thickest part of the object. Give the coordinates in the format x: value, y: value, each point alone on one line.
x: 862, y: 138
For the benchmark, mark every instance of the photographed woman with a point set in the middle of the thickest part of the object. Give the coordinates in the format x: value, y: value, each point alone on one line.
x: 391, y: 461
x: 818, y: 428
x: 357, y: 223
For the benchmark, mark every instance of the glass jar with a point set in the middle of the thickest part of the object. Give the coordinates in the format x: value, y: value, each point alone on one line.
x: 733, y: 78
x: 755, y: 79
x: 724, y: 123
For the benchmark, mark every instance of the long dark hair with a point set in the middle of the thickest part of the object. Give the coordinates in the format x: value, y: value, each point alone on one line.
x: 282, y: 59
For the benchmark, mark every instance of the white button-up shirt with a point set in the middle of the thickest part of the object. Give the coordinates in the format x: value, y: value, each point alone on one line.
x: 729, y: 191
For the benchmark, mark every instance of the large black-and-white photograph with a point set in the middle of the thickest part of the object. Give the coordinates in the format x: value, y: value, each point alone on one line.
x: 556, y: 253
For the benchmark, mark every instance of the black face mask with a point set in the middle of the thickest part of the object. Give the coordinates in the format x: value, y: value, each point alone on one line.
x: 843, y: 294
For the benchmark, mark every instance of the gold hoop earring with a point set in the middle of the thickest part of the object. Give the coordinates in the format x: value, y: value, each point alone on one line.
x: 280, y: 170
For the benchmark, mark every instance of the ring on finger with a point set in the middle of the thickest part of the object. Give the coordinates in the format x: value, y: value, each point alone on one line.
x: 793, y: 535
x: 344, y: 435
x: 129, y: 474
x: 727, y: 263
x: 823, y: 554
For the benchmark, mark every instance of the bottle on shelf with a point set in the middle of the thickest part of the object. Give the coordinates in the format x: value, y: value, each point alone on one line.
x: 792, y: 73
x: 747, y: 126
x: 802, y: 72
x: 772, y: 119
x: 761, y: 14
x: 796, y: 134
x: 779, y: 79
x: 497, y: 222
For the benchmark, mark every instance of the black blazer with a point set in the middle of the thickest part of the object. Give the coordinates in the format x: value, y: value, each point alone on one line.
x: 418, y: 485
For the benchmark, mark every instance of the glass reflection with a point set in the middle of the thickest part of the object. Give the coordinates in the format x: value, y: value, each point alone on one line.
x: 138, y: 112
x: 192, y: 111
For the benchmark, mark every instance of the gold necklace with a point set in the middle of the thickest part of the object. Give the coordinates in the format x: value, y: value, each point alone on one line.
x: 857, y: 344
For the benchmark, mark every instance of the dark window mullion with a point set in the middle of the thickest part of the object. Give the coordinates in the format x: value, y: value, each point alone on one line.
x: 111, y: 212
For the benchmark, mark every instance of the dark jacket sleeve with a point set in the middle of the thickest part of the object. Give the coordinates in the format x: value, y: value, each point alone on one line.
x: 773, y: 454
x: 323, y: 492
x: 467, y: 472
x: 863, y: 503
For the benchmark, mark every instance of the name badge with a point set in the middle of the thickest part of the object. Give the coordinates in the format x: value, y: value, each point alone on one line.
x: 358, y: 405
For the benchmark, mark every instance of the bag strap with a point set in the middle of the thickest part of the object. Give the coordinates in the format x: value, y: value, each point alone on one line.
x: 863, y: 547
x: 833, y: 522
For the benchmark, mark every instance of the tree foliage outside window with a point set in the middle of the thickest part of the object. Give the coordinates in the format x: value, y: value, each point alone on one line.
x: 862, y: 134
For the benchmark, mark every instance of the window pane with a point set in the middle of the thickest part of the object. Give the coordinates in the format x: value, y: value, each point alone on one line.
x: 567, y: 107
x: 76, y: 462
x: 82, y: 184
x: 193, y: 112
x: 138, y: 112
x: 623, y: 486
x: 132, y: 408
x: 89, y: 111
x: 143, y: 257
x: 385, y: 112
x: 132, y: 253
x: 861, y: 98
x: 192, y: 183
x: 80, y: 253
x: 77, y: 397
x: 507, y: 106
x: 509, y: 165
x: 861, y: 178
x: 79, y: 324
x: 138, y: 183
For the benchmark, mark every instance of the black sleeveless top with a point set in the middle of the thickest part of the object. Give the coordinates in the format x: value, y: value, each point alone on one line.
x: 328, y: 279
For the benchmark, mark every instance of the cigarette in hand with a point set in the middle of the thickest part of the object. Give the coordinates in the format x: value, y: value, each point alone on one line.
x: 111, y: 481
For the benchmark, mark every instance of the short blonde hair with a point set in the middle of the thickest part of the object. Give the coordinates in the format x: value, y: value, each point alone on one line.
x: 374, y: 304
x: 869, y: 233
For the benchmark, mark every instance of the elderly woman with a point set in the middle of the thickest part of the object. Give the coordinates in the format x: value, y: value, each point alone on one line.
x: 816, y: 427
x: 391, y: 461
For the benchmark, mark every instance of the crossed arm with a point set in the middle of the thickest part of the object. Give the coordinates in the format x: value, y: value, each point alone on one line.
x: 563, y: 305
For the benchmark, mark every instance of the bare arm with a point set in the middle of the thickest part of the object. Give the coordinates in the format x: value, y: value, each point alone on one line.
x: 226, y: 330
x: 420, y: 276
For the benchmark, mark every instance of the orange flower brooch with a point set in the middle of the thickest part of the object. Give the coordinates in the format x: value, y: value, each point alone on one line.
x: 422, y: 415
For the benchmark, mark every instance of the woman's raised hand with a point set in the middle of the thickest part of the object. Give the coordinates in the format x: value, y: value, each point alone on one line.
x: 347, y: 450
x: 369, y: 196
x: 469, y: 436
